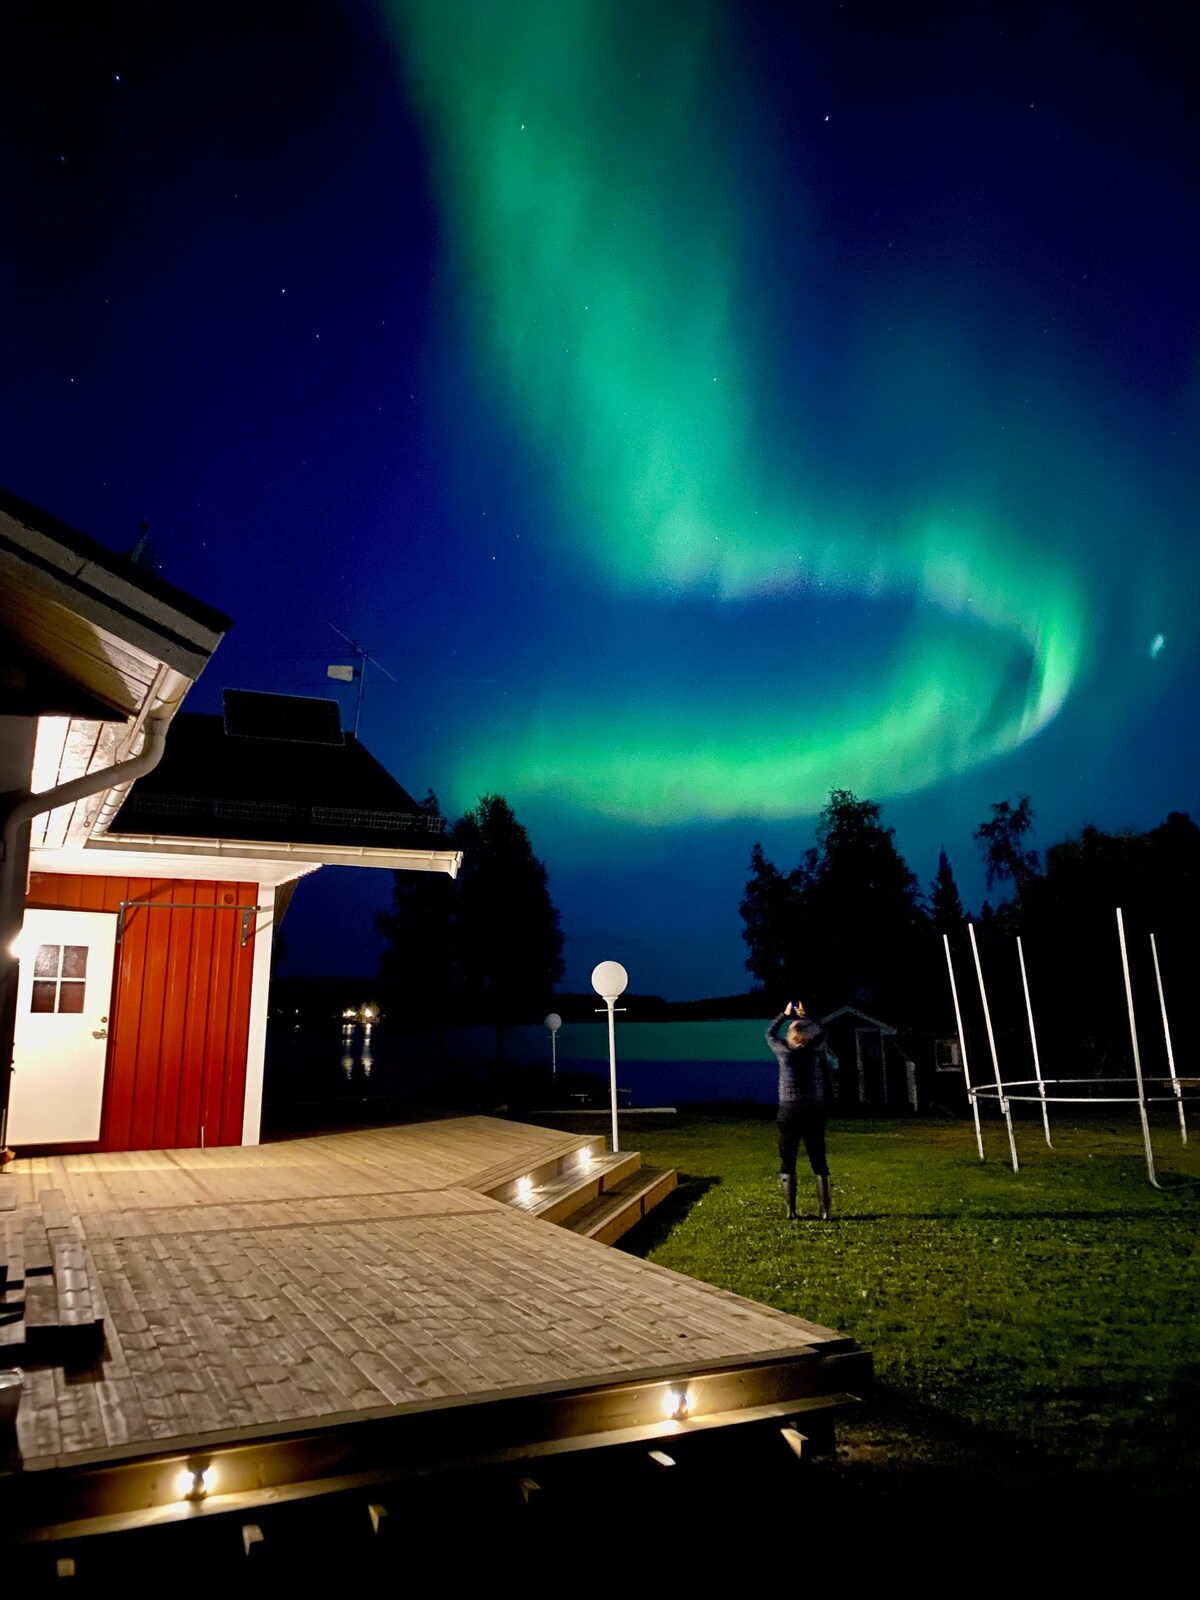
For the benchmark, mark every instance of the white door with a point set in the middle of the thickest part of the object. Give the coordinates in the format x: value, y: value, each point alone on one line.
x: 61, y: 1041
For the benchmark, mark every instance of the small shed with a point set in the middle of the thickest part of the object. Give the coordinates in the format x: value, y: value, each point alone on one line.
x: 873, y: 1068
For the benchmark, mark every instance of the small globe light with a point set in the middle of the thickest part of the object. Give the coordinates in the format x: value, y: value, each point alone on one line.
x: 609, y: 980
x: 553, y: 1022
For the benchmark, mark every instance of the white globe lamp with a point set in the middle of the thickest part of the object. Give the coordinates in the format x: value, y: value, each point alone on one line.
x: 554, y: 1023
x: 609, y: 979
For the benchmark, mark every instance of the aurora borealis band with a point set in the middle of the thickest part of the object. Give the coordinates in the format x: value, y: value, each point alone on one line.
x: 611, y: 229
x: 693, y: 405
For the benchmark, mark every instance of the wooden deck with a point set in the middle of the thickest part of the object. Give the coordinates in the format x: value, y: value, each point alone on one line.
x: 299, y: 1284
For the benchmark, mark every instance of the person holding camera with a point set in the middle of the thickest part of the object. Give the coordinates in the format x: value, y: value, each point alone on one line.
x: 805, y: 1088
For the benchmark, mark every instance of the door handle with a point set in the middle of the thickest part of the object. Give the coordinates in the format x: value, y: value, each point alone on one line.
x: 100, y: 1033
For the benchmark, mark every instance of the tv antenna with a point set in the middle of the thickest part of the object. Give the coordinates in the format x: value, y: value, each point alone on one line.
x: 350, y: 674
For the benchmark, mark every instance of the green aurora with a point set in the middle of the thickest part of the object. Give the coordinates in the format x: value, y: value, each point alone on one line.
x: 601, y: 185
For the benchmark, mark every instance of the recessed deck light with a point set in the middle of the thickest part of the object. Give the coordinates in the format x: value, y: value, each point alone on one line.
x: 195, y: 1483
x: 676, y: 1403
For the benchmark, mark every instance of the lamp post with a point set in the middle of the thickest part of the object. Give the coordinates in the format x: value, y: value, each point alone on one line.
x: 609, y: 980
x: 554, y: 1023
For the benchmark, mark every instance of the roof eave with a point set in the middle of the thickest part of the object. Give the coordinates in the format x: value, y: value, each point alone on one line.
x: 324, y: 855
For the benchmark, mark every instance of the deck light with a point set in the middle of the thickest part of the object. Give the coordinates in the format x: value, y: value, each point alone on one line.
x: 675, y: 1404
x: 585, y: 1160
x: 524, y: 1189
x: 195, y: 1483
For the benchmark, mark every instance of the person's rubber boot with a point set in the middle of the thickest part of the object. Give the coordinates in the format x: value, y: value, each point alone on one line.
x: 823, y: 1198
x: 788, y: 1184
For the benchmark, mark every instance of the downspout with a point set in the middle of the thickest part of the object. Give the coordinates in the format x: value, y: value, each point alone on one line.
x: 20, y: 809
x: 25, y: 807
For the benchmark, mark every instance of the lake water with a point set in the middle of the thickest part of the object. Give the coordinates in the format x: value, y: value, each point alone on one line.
x: 657, y: 1065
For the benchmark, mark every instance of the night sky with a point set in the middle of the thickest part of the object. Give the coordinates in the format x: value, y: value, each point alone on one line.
x: 695, y: 407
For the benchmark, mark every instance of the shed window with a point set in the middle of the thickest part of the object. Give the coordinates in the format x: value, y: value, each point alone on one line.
x: 946, y: 1055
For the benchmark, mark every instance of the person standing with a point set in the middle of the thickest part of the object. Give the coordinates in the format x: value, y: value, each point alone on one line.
x: 804, y: 1092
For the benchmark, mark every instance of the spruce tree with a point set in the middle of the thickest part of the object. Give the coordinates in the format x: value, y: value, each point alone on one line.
x: 945, y: 906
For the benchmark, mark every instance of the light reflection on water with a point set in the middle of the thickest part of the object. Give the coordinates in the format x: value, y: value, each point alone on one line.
x: 357, y: 1052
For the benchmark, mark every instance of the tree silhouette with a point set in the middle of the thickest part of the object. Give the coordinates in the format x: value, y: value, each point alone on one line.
x: 768, y: 913
x: 866, y: 918
x: 945, y: 905
x: 508, y: 942
x: 846, y: 924
x: 1002, y: 841
x: 419, y: 963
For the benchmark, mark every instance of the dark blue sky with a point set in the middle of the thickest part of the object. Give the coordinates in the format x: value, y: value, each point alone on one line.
x: 282, y: 279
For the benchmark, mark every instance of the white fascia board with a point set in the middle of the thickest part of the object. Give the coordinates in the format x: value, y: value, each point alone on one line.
x: 257, y: 850
x: 107, y: 862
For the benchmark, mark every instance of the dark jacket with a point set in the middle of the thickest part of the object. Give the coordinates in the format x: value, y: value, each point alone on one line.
x: 803, y: 1073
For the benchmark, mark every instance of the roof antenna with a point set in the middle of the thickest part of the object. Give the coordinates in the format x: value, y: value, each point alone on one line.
x: 349, y: 674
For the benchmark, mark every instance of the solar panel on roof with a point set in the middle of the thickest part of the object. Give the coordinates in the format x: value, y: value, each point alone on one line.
x: 292, y: 718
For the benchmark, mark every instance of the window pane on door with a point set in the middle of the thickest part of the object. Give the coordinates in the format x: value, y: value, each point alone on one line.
x: 45, y: 963
x: 74, y: 961
x: 43, y: 997
x: 70, y: 996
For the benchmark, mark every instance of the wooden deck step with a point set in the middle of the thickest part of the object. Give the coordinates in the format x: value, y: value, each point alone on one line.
x: 562, y: 1196
x: 12, y: 1251
x: 618, y: 1210
x: 39, y: 1258
x: 59, y: 1318
x: 508, y: 1183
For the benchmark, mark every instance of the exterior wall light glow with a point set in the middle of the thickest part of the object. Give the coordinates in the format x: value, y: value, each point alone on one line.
x: 676, y: 1403
x: 524, y: 1189
x: 195, y: 1483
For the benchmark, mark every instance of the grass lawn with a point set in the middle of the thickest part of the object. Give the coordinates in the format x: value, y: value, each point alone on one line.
x: 1021, y: 1323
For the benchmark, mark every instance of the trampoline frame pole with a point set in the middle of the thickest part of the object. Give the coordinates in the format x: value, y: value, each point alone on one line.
x: 1170, y: 1051
x: 962, y: 1045
x: 1137, y: 1059
x: 1037, y: 1065
x: 987, y: 1017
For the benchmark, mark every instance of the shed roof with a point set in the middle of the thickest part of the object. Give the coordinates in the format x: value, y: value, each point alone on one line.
x: 853, y: 1011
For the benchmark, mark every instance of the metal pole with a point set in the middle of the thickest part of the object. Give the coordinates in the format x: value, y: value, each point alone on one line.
x: 553, y: 1052
x: 987, y: 1017
x: 1167, y: 1036
x: 362, y: 689
x: 1137, y: 1059
x: 962, y: 1045
x: 1037, y: 1065
x: 612, y: 1075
